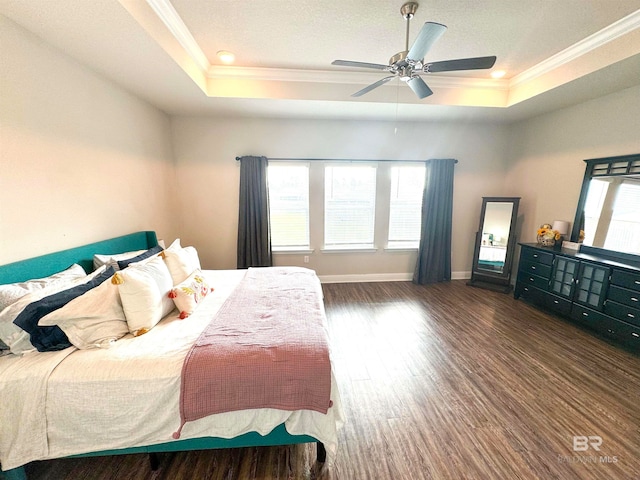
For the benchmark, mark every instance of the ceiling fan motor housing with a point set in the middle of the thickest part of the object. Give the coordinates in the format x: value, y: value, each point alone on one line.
x: 408, y: 9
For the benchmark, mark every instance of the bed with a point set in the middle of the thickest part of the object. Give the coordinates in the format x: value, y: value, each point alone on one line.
x: 492, y: 257
x: 127, y: 398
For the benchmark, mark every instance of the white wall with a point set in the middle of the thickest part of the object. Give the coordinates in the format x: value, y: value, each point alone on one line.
x: 81, y: 160
x: 546, y: 165
x: 208, y: 177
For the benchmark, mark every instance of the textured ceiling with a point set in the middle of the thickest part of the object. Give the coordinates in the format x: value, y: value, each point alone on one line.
x: 310, y: 33
x: 284, y: 50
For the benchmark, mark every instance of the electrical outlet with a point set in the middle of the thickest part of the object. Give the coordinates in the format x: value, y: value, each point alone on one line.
x: 306, y: 259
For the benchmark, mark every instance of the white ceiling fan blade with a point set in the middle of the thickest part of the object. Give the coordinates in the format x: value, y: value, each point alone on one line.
x: 367, y: 89
x: 420, y: 88
x: 349, y: 63
x: 426, y: 38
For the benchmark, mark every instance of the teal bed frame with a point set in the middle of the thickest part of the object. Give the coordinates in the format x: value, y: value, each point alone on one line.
x: 49, y: 264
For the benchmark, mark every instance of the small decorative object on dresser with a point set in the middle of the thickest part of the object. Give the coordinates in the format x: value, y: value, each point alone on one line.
x: 596, y: 290
x: 547, y: 236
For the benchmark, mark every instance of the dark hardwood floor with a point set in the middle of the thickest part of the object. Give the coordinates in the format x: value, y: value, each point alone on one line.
x: 443, y: 382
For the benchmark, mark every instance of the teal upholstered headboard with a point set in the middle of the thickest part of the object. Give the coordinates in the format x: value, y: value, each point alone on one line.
x: 51, y: 263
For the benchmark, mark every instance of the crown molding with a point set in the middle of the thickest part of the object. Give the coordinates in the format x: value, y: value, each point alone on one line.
x: 176, y: 26
x: 617, y: 29
x: 167, y: 13
x: 341, y: 77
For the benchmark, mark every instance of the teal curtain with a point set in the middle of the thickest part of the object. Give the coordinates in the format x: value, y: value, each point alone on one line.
x: 434, y: 253
x: 254, y: 238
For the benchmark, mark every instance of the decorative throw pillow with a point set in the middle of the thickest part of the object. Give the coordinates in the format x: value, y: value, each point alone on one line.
x: 111, y: 260
x: 93, y: 320
x: 52, y: 338
x: 188, y: 294
x: 181, y: 262
x: 138, y: 258
x: 144, y: 289
x: 10, y: 293
x: 15, y: 337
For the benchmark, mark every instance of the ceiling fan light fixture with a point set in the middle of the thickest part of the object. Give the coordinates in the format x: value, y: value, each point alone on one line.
x: 226, y: 57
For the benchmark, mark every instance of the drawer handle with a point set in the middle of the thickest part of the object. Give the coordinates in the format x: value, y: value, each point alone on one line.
x: 535, y: 255
x: 585, y: 314
x: 556, y: 302
x: 631, y: 315
x: 610, y: 331
x: 533, y: 267
x: 637, y: 282
x: 525, y: 289
x: 635, y: 334
x: 634, y: 299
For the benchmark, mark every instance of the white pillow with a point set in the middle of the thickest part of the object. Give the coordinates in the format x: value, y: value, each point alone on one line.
x: 10, y: 293
x: 181, y: 262
x: 112, y: 260
x: 12, y: 335
x: 144, y: 292
x: 92, y: 320
x: 188, y: 294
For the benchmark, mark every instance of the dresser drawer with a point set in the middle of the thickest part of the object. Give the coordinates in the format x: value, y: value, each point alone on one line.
x: 557, y: 304
x: 536, y: 256
x: 622, y: 312
x: 626, y: 279
x: 622, y: 332
x: 628, y: 334
x: 539, y: 269
x: 533, y: 294
x: 624, y: 296
x: 591, y: 318
x: 534, y: 280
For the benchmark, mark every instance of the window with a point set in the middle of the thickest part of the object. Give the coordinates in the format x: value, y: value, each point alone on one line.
x: 289, y: 205
x: 624, y: 230
x: 405, y: 206
x: 349, y: 206
x: 593, y: 207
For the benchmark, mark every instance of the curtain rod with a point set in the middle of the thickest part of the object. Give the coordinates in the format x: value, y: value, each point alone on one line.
x: 343, y: 160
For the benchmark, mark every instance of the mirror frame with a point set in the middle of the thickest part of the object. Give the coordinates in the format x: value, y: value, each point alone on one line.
x: 618, y: 166
x: 485, y: 278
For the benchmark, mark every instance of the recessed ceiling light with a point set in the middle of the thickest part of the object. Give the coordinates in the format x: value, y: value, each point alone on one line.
x: 498, y: 74
x: 226, y: 57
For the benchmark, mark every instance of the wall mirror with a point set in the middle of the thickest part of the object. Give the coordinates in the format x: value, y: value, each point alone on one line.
x: 495, y: 242
x: 609, y: 206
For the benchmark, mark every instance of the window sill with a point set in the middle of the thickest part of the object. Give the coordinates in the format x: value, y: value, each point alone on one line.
x: 291, y: 251
x: 400, y: 249
x: 359, y: 249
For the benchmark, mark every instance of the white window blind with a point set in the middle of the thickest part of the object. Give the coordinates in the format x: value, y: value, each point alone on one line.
x: 349, y: 205
x: 289, y: 205
x: 405, y: 206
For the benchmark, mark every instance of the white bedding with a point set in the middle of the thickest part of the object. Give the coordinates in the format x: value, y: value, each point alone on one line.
x: 128, y: 395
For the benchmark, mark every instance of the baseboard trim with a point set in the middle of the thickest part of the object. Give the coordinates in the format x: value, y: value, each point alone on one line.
x: 381, y: 277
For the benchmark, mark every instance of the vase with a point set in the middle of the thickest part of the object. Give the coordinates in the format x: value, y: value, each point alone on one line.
x: 546, y: 241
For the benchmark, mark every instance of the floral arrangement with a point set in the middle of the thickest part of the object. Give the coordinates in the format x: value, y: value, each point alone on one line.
x: 547, y: 235
x: 545, y: 231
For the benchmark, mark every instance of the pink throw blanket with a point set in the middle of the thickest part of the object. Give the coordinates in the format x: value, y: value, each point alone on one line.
x: 266, y: 348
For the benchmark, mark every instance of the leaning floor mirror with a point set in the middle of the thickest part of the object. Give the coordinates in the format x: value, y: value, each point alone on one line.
x: 495, y: 243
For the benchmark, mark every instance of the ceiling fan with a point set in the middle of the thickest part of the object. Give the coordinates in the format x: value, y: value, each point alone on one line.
x: 409, y: 64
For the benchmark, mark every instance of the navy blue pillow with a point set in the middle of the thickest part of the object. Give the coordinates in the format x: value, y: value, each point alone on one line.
x: 49, y: 339
x: 152, y: 251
